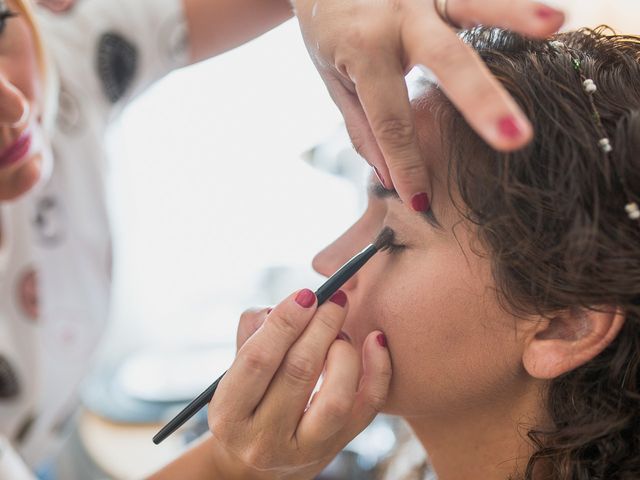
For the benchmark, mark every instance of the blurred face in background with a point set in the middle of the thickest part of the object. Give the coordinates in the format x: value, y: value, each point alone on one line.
x: 22, y: 99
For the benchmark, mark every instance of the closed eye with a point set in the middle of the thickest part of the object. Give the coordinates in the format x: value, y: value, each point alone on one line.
x: 394, y: 248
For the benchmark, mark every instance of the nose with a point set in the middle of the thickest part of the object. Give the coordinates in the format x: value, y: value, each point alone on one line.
x: 330, y: 259
x: 14, y: 107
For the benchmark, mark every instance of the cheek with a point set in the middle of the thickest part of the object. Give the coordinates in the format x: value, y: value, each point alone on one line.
x: 19, y: 59
x: 449, y: 340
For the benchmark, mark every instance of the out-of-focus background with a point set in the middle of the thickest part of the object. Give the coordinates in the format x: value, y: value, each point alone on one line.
x: 226, y: 178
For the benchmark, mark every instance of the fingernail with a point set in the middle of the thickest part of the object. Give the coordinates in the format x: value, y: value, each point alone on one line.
x: 508, y: 127
x: 382, y: 340
x: 420, y: 202
x: 306, y: 298
x: 380, y: 178
x: 339, y: 298
x: 547, y: 13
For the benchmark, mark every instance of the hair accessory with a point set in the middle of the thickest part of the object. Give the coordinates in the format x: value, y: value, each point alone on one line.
x: 604, y: 143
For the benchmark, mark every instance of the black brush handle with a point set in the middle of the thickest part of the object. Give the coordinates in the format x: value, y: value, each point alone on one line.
x: 187, y: 412
x: 331, y: 286
x: 325, y: 292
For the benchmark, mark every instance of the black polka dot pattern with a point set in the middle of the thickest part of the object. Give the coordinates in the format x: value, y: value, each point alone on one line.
x: 9, y: 386
x: 49, y: 221
x: 117, y: 65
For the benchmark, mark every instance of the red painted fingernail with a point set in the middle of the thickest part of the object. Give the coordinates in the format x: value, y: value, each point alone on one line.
x: 547, y: 13
x: 420, y: 202
x: 382, y: 340
x: 305, y: 298
x: 508, y: 127
x: 339, y: 298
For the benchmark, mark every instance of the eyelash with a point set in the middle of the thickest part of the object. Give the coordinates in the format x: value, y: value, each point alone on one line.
x: 394, y: 248
x: 4, y: 16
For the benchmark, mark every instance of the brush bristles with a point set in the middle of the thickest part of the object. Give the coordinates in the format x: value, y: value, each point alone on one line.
x: 384, y: 239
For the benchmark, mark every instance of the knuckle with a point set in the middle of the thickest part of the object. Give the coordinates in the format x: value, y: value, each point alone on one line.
x: 329, y: 320
x: 286, y: 323
x: 256, y: 360
x: 299, y: 369
x: 356, y: 37
x: 395, y: 131
x: 377, y: 400
x: 396, y: 5
x: 337, y: 408
x: 248, y: 316
x: 408, y: 170
x: 377, y: 397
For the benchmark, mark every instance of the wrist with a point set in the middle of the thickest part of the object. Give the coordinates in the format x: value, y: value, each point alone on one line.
x: 226, y: 465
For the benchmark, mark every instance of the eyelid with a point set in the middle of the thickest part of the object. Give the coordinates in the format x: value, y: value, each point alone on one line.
x: 378, y: 191
x: 396, y: 243
x: 430, y: 217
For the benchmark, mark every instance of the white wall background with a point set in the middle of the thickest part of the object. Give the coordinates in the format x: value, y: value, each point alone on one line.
x: 209, y: 190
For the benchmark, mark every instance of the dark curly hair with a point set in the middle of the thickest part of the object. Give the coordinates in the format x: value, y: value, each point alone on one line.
x: 552, y: 216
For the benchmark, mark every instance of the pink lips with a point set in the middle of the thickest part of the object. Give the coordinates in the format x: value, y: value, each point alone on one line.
x: 15, y: 152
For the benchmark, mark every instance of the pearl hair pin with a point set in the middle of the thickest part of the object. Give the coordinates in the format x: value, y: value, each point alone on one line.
x: 604, y: 143
x: 633, y: 211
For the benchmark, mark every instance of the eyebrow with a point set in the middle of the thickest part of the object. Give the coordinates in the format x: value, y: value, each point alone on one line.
x: 380, y: 192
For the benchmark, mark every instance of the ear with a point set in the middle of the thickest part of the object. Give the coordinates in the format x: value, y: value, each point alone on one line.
x: 566, y: 341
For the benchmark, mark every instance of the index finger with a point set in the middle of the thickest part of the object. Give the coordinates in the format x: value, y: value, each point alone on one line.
x: 382, y: 91
x: 469, y: 84
x: 245, y: 383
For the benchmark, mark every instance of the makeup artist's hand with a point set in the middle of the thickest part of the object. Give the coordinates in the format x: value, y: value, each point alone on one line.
x: 260, y: 417
x: 363, y: 49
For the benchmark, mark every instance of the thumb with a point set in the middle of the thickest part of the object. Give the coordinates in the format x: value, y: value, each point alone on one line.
x: 374, y: 384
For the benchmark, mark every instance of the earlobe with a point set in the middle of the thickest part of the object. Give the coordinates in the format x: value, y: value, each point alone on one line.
x: 568, y: 340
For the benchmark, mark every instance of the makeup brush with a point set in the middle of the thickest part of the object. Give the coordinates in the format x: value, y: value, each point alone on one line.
x: 331, y: 286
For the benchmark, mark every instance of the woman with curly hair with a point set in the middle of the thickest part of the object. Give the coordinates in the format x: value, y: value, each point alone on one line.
x: 512, y: 308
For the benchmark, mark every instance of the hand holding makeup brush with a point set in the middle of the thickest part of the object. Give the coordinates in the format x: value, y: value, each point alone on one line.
x: 263, y: 400
x: 262, y: 423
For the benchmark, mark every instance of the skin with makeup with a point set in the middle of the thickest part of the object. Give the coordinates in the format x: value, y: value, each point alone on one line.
x: 513, y: 328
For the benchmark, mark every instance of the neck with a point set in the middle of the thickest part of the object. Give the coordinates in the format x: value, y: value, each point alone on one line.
x: 488, y: 443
